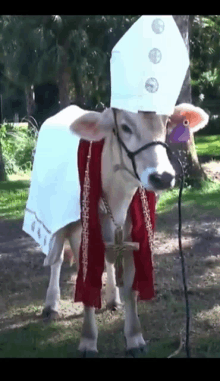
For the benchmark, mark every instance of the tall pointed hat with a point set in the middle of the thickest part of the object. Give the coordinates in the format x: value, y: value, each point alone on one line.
x: 148, y: 66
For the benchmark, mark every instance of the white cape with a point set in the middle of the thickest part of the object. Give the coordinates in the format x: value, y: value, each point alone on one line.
x: 54, y: 195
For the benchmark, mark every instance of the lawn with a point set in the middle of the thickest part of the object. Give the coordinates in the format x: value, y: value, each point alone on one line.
x: 208, y: 145
x: 206, y: 198
x: 13, y: 197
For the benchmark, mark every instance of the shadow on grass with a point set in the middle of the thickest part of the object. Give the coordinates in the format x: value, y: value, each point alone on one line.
x: 14, y: 185
x: 206, y: 158
x: 13, y: 213
x: 39, y: 340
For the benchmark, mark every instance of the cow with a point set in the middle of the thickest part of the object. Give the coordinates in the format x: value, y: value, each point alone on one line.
x: 119, y: 184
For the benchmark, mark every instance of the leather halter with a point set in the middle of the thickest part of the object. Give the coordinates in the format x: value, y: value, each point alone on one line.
x: 132, y: 155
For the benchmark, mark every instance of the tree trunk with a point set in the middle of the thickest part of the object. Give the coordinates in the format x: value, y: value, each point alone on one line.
x: 79, y: 98
x: 186, y: 152
x: 64, y: 75
x: 30, y: 101
x: 185, y: 93
x: 3, y: 176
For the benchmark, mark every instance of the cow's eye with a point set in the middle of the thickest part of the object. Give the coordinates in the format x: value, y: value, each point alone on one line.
x: 125, y: 128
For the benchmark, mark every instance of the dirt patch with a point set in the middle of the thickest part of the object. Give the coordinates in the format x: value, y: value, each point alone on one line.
x: 212, y: 169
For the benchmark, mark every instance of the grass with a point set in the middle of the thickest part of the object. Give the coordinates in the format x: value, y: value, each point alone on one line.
x: 206, y: 198
x: 38, y: 340
x: 208, y: 145
x: 13, y: 197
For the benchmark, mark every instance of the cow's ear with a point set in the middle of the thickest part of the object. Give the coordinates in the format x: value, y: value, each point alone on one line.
x: 93, y: 125
x: 192, y: 117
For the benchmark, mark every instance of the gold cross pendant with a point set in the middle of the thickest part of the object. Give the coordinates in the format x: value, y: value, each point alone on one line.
x: 119, y: 246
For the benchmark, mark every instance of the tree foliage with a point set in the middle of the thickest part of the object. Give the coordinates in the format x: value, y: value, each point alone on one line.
x: 38, y: 49
x: 204, y: 55
x: 76, y: 49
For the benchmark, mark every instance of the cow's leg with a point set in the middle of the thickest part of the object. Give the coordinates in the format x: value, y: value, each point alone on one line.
x: 50, y: 311
x: 88, y: 342
x: 112, y: 292
x: 74, y: 237
x: 132, y: 327
x: 51, y: 308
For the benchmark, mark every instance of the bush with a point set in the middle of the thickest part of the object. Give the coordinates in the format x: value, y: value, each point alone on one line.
x: 18, y: 142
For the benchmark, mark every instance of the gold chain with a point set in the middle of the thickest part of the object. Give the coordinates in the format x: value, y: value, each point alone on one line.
x: 147, y: 219
x: 109, y: 212
x: 85, y: 215
x: 146, y: 212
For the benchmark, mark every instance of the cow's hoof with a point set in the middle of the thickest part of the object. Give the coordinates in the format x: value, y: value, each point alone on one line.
x: 88, y: 354
x: 49, y: 315
x: 137, y: 352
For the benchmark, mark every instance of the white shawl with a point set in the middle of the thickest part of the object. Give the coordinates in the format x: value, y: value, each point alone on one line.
x: 54, y: 195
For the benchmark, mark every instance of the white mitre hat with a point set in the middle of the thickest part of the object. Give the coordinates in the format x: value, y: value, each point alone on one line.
x: 148, y: 66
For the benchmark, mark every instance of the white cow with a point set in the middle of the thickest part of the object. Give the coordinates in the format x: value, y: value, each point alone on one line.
x: 119, y: 185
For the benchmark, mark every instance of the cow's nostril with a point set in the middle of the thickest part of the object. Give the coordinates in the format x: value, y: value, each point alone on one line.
x: 155, y: 178
x: 161, y: 181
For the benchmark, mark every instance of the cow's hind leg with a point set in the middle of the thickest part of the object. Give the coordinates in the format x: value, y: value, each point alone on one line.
x: 132, y: 328
x: 50, y: 311
x: 74, y: 237
x: 113, y: 301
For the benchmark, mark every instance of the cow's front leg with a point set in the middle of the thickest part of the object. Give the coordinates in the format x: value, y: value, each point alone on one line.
x: 132, y: 327
x: 112, y: 292
x: 89, y: 336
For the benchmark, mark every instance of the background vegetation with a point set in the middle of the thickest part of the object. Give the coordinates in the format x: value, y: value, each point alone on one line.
x: 73, y: 53
x: 47, y: 62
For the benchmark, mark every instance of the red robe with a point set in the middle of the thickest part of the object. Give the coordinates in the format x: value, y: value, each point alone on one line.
x: 88, y: 291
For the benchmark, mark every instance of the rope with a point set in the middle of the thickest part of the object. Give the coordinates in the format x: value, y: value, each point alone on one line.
x: 183, y: 265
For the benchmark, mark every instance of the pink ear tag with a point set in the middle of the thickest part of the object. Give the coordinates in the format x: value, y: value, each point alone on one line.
x: 179, y: 134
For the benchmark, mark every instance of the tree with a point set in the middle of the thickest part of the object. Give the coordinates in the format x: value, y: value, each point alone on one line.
x: 186, y: 152
x: 72, y: 51
x: 3, y: 176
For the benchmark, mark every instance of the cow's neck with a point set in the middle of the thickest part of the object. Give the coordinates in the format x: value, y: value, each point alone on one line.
x: 118, y: 186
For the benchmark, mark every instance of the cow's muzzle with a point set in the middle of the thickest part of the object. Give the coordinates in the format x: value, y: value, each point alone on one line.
x: 163, y: 181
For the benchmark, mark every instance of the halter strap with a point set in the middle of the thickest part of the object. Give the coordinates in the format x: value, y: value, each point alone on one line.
x: 132, y: 155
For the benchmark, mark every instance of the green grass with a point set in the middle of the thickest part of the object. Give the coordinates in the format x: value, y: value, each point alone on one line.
x: 206, y: 198
x: 38, y: 340
x: 208, y: 145
x: 13, y: 197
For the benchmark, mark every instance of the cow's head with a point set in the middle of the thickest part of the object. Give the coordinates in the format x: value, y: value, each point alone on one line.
x: 153, y: 166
